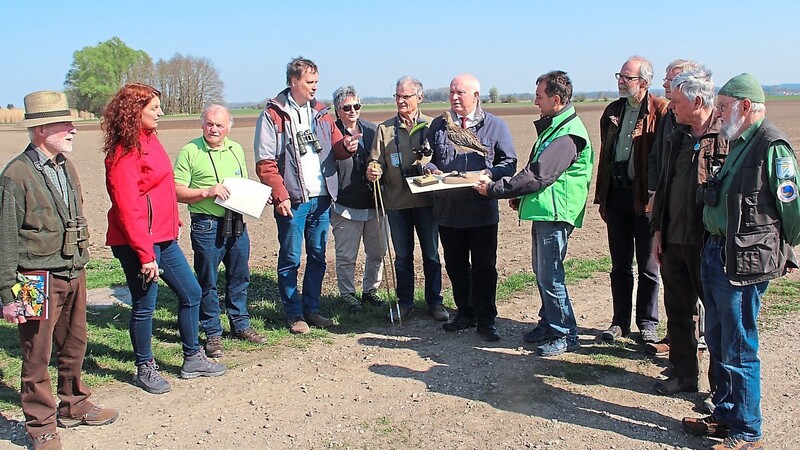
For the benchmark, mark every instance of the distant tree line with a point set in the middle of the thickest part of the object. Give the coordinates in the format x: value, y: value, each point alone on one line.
x: 187, y: 83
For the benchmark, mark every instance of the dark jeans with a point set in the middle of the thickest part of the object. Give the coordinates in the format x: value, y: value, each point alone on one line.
x: 470, y: 257
x: 66, y: 329
x: 628, y: 232
x: 211, y: 249
x: 179, y: 277
x: 403, y: 222
x: 309, y: 223
x: 680, y: 271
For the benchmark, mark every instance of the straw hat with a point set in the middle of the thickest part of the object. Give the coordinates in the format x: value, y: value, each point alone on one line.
x: 45, y: 107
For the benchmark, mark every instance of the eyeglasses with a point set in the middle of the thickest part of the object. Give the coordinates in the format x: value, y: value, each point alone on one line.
x: 347, y: 108
x: 404, y: 97
x: 721, y: 107
x: 625, y: 78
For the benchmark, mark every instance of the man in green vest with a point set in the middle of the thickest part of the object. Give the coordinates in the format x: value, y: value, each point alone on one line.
x: 752, y: 215
x: 551, y: 192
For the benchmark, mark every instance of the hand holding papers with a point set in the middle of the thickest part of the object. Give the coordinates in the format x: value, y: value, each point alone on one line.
x: 247, y: 197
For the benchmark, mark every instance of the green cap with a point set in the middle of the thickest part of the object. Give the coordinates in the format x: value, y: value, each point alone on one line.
x: 744, y: 86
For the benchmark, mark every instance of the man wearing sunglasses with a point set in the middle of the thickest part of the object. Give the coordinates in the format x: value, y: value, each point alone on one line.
x: 353, y: 214
x: 627, y: 133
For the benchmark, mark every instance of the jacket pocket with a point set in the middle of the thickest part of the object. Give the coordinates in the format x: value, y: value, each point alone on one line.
x: 758, y: 209
x: 755, y: 253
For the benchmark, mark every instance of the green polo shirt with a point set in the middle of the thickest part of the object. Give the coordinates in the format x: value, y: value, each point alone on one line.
x: 715, y: 219
x: 200, y: 167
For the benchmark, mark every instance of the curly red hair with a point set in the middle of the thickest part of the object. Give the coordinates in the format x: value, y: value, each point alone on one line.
x: 122, y: 120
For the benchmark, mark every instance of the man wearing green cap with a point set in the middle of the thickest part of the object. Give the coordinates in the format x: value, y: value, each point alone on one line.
x: 752, y: 213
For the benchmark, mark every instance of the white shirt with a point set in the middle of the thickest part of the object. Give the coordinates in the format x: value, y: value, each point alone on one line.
x: 309, y: 165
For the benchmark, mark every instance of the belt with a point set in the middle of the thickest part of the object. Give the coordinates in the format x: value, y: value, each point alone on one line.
x: 200, y: 216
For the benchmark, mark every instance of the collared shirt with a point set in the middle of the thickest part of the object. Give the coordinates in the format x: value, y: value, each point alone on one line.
x: 471, y: 119
x: 54, y: 170
x: 303, y: 120
x: 624, y: 146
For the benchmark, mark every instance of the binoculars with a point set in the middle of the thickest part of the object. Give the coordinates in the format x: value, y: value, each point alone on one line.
x: 232, y: 224
x: 76, y: 236
x: 619, y: 175
x: 708, y: 192
x: 304, y: 138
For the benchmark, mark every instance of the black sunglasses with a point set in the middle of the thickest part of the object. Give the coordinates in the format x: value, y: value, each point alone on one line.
x: 347, y: 108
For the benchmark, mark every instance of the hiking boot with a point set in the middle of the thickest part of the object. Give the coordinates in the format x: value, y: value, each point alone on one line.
x: 214, y: 346
x: 676, y: 385
x: 47, y: 441
x: 96, y: 417
x: 738, y: 443
x: 489, y: 333
x: 405, y: 312
x: 250, y: 335
x: 459, y: 323
x: 540, y: 333
x: 148, y: 378
x: 352, y: 303
x: 298, y: 326
x: 318, y: 320
x: 648, y: 336
x: 660, y: 348
x: 198, y: 365
x: 371, y: 297
x: 558, y: 346
x: 705, y: 426
x: 613, y: 333
x: 439, y: 313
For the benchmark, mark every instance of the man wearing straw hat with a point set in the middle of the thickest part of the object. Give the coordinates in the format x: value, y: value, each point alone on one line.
x: 42, y: 228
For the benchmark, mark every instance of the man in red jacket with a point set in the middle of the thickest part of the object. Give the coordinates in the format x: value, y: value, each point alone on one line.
x: 296, y: 147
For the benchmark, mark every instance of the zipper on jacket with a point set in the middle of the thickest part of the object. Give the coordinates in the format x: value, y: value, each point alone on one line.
x: 555, y: 208
x: 149, y: 215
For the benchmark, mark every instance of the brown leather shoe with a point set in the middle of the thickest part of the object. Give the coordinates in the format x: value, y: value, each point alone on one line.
x: 439, y: 313
x: 214, y: 347
x: 737, y: 443
x: 705, y: 426
x: 96, y: 417
x: 298, y: 326
x: 251, y: 335
x: 318, y: 320
x: 48, y: 441
x: 676, y: 385
x: 660, y: 348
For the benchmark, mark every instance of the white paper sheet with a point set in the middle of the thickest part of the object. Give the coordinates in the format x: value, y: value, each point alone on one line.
x: 247, y: 197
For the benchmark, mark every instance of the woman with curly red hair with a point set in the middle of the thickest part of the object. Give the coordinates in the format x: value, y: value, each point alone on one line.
x: 143, y: 229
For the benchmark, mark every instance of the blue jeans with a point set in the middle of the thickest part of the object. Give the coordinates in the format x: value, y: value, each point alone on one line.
x: 310, y: 223
x: 732, y: 339
x: 403, y: 222
x: 548, y: 250
x: 211, y: 249
x: 179, y: 277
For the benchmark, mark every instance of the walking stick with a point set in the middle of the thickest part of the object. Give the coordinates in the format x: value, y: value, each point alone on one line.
x: 391, y: 276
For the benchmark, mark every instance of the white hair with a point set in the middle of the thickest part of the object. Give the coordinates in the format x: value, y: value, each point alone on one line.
x: 213, y: 108
x: 696, y: 83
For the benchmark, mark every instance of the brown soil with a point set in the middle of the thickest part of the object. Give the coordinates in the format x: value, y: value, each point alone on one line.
x: 414, y: 386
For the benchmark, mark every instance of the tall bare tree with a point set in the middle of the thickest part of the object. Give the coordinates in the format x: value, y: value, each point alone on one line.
x: 187, y: 83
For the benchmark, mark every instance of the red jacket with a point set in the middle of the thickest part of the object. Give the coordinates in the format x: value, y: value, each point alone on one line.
x: 144, y: 208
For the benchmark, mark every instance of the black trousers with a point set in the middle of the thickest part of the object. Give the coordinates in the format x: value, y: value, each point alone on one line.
x: 470, y: 257
x: 628, y: 232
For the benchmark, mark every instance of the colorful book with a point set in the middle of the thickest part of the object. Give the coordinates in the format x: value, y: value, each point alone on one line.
x: 32, y: 292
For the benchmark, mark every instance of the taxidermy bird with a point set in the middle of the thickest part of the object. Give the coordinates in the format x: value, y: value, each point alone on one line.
x: 423, y: 155
x: 463, y: 139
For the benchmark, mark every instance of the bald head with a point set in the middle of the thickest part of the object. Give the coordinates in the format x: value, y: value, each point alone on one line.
x: 465, y: 91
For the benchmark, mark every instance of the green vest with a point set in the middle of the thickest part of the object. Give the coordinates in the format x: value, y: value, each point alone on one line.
x: 565, y: 199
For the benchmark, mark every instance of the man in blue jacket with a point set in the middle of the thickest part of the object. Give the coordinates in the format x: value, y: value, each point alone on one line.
x: 468, y: 221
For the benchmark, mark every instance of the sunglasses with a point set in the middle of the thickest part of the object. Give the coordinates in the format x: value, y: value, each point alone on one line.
x: 347, y: 108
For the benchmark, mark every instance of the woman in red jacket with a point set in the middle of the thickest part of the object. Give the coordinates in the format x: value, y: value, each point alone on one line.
x: 143, y: 229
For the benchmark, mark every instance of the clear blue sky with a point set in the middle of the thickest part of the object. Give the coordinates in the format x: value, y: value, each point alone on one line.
x: 370, y: 44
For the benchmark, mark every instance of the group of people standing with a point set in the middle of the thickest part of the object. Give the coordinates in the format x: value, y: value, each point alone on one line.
x: 699, y: 187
